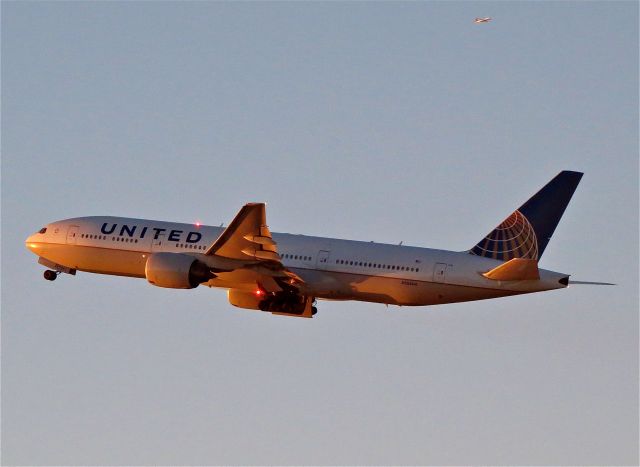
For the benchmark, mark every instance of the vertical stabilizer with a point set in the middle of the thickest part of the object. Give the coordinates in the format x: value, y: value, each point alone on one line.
x: 526, y: 232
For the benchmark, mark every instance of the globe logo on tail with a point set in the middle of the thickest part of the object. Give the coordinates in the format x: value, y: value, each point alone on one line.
x: 513, y: 238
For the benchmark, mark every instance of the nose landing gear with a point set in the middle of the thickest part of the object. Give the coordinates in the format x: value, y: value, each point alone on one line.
x: 51, y: 275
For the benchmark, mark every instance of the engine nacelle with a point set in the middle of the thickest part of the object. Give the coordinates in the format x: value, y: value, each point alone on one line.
x: 278, y: 303
x: 176, y: 271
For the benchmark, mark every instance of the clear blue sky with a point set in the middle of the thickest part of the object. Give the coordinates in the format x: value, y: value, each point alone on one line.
x: 371, y: 121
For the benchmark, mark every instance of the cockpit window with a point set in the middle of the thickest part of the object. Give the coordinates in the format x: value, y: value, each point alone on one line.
x: 42, y: 230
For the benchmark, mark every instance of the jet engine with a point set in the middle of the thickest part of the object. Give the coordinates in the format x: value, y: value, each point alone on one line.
x: 176, y: 271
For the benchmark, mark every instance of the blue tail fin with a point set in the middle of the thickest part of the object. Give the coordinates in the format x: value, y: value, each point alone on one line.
x: 526, y: 232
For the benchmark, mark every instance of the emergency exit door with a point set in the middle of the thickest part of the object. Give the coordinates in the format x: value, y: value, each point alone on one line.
x: 72, y: 234
x: 440, y: 272
x: 323, y: 259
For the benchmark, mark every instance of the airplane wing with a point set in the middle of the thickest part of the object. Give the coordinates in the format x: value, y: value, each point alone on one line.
x: 248, y: 238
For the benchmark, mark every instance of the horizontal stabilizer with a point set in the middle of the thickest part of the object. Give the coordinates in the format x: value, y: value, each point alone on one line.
x: 516, y: 269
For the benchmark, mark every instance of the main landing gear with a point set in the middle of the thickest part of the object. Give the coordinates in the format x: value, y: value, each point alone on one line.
x: 289, y: 303
x: 51, y: 275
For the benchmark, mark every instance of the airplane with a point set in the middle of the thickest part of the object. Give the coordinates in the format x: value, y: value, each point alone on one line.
x: 482, y: 20
x: 286, y: 274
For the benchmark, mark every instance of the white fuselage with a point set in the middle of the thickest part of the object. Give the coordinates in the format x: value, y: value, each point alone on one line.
x: 330, y: 268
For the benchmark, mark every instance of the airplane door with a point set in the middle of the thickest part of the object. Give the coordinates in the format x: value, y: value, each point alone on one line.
x: 440, y: 272
x: 72, y: 234
x: 322, y: 259
x: 157, y: 244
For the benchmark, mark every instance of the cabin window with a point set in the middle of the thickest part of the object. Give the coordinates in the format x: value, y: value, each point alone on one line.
x: 42, y: 230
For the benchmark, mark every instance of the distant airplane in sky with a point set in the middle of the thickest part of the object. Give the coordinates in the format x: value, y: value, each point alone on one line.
x: 482, y: 20
x: 285, y: 274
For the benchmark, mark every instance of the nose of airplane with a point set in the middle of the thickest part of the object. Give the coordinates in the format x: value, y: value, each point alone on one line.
x: 31, y: 243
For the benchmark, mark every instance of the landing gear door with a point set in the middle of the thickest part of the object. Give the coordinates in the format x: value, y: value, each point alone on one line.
x: 72, y: 234
x: 323, y: 259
